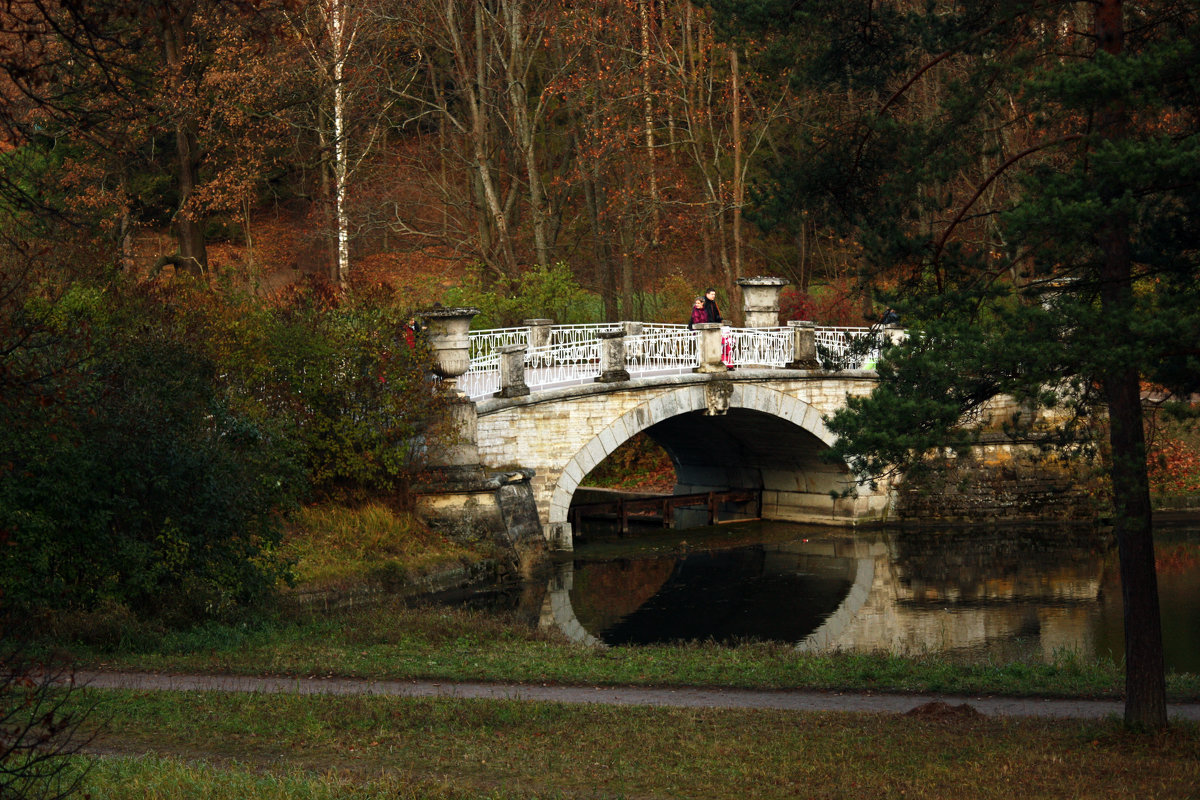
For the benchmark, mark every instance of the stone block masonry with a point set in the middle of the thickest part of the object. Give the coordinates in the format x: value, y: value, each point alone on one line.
x: 766, y: 429
x: 1017, y: 488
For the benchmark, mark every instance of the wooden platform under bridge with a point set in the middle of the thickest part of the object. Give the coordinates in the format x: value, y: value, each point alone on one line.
x: 662, y: 507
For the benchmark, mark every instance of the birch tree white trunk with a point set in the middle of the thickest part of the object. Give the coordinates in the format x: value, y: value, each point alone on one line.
x: 648, y: 118
x: 341, y: 40
x: 329, y: 39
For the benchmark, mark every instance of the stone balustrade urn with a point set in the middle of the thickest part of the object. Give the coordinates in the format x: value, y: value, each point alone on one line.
x: 446, y: 330
x: 760, y: 300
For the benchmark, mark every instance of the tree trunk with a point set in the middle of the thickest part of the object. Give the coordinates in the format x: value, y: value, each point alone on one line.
x: 189, y: 231
x: 1145, y: 682
x: 625, y: 240
x: 648, y: 120
x: 472, y: 73
x: 339, y: 40
x: 738, y: 186
x: 524, y: 127
x: 601, y: 252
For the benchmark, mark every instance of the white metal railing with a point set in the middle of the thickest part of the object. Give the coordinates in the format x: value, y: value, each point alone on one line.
x: 573, y: 352
x: 488, y: 342
x: 562, y: 364
x: 483, y: 376
x: 578, y: 334
x: 661, y: 348
x: 848, y: 348
x: 764, y: 347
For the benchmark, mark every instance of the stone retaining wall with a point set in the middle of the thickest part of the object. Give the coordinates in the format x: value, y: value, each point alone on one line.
x: 1016, y: 489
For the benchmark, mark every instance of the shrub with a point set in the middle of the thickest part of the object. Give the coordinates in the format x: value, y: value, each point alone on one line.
x: 539, y: 293
x: 340, y: 380
x: 126, y: 475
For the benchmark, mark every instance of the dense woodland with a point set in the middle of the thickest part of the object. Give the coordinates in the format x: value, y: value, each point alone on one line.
x: 1019, y: 179
x: 368, y: 139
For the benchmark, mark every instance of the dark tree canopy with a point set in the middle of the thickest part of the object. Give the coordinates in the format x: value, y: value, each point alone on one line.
x: 1024, y: 180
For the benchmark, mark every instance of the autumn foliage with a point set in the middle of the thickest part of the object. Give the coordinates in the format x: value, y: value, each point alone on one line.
x: 1174, y: 467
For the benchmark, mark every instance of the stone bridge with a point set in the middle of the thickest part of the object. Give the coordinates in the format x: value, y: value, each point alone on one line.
x: 745, y: 429
x: 734, y: 408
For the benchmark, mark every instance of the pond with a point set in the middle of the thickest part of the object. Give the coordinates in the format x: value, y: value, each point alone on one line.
x: 971, y: 593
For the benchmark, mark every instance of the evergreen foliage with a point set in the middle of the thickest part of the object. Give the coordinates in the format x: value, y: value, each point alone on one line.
x: 1024, y: 181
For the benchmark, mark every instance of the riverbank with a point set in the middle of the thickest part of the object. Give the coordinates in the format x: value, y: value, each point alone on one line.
x: 396, y: 641
x: 383, y: 698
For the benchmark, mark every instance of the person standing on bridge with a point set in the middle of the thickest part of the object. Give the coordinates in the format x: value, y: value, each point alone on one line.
x: 410, y: 331
x: 698, y: 313
x: 711, y: 312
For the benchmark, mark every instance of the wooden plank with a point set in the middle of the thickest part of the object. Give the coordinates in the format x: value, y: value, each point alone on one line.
x: 664, y: 506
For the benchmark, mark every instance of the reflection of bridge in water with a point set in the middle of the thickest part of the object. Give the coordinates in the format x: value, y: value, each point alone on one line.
x: 890, y: 592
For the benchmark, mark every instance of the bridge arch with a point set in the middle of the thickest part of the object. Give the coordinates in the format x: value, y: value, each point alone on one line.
x: 723, y: 435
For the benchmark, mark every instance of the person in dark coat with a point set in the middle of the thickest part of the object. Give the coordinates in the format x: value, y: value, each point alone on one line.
x: 698, y: 314
x: 711, y: 311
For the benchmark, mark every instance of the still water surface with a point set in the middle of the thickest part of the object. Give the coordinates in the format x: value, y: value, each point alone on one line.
x: 974, y: 594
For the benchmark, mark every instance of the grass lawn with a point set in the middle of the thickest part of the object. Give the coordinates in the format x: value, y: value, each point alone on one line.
x: 214, y: 745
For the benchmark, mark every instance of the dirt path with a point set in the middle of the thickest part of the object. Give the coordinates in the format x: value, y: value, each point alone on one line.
x: 631, y: 695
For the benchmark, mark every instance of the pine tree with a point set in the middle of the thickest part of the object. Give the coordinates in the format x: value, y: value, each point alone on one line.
x: 1024, y: 178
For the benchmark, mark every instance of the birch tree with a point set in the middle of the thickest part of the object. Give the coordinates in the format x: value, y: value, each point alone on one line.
x: 328, y: 31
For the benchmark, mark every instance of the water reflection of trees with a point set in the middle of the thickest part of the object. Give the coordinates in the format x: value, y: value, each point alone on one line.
x: 999, y: 565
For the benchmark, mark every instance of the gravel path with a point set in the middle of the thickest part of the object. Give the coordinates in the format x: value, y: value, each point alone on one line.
x: 629, y: 695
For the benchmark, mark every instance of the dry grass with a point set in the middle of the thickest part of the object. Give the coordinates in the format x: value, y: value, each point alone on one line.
x: 528, y: 749
x: 333, y: 543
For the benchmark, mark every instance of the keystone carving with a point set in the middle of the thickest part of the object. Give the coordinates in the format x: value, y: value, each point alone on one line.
x: 716, y: 398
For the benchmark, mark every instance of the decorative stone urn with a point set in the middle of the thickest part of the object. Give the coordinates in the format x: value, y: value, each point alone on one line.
x: 760, y: 300
x: 447, y: 332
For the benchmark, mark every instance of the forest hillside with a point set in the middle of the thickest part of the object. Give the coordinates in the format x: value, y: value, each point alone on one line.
x: 421, y: 143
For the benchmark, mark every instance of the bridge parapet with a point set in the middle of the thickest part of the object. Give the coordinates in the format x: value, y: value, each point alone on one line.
x: 564, y: 355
